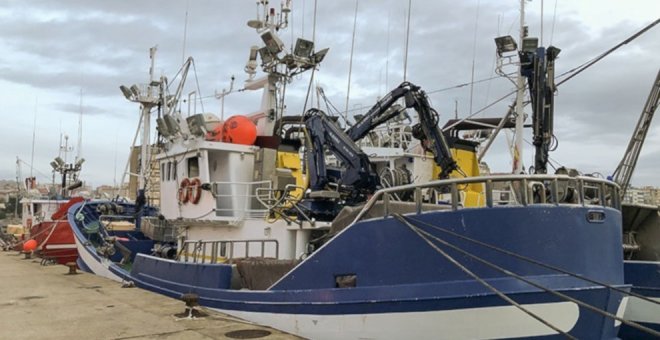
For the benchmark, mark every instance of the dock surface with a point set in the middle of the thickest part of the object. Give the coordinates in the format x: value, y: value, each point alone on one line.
x: 43, y: 302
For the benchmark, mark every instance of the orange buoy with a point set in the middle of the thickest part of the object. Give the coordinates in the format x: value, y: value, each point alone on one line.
x: 239, y: 130
x: 30, y: 245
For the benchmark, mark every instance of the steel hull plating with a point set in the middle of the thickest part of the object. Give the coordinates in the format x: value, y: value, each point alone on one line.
x: 405, y: 288
x: 644, y: 276
x: 56, y: 241
x: 398, y: 277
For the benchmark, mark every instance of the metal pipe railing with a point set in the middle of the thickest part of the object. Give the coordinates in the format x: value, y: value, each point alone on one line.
x: 219, y: 249
x: 540, y: 188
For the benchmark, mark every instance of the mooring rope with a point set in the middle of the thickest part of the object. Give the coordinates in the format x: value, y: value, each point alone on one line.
x: 480, y: 280
x: 425, y: 235
x: 538, y: 263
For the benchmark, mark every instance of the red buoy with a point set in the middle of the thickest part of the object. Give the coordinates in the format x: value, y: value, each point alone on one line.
x: 29, y: 245
x: 239, y: 130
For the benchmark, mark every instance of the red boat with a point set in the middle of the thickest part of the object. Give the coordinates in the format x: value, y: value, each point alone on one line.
x: 54, y: 238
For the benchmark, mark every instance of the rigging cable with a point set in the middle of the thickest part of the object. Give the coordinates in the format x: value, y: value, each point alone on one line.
x: 585, y: 305
x: 474, y: 54
x: 419, y: 232
x: 350, y: 63
x: 554, y: 17
x: 538, y: 263
x: 591, y: 62
x: 197, y: 82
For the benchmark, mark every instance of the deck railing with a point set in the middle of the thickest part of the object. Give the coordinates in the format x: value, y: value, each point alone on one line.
x: 525, y: 190
x: 225, y: 251
x: 238, y: 200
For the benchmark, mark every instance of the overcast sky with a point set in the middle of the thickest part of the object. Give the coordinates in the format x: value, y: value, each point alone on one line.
x: 51, y: 50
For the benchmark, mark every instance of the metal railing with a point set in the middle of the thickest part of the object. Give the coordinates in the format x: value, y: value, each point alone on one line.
x: 526, y: 189
x: 223, y: 251
x: 277, y: 202
x: 238, y: 200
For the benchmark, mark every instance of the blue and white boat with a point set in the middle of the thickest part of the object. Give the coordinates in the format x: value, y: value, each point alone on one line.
x: 323, y: 252
x: 382, y: 278
x: 642, y: 266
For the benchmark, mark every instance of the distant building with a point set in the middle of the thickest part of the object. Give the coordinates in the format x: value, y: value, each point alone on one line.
x: 643, y: 195
x: 153, y: 177
x: 109, y: 191
x: 6, y: 193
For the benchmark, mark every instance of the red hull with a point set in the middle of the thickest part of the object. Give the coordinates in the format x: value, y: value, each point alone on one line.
x: 55, y: 241
x: 55, y: 238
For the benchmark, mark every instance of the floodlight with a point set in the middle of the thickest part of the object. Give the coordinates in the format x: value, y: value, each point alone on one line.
x: 303, y: 48
x: 505, y: 44
x: 172, y: 124
x: 54, y: 165
x: 162, y: 128
x: 273, y: 42
x: 530, y: 44
x: 251, y: 65
x: 256, y: 24
x: 265, y: 55
x: 135, y: 90
x: 59, y: 161
x: 318, y: 56
x: 253, y: 53
x: 127, y: 93
x: 80, y: 162
x: 552, y: 53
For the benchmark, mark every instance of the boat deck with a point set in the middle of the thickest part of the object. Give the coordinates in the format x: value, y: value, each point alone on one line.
x: 39, y: 302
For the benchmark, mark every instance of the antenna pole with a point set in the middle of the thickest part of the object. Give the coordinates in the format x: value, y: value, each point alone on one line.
x: 34, y: 134
x: 405, y: 57
x: 79, y: 153
x: 185, y: 34
x: 350, y: 63
x: 520, y: 115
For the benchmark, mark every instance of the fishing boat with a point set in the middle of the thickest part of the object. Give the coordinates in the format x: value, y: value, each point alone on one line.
x: 641, y: 232
x: 44, y: 215
x: 286, y: 222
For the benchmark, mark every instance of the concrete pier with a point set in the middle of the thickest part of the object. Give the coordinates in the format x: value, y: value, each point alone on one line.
x: 44, y: 302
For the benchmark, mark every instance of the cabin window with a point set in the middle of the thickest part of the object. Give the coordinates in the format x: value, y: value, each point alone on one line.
x: 174, y: 170
x: 193, y: 167
x: 169, y: 171
x: 162, y: 172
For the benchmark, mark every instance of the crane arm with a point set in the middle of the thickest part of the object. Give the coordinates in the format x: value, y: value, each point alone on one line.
x: 357, y: 170
x: 624, y: 170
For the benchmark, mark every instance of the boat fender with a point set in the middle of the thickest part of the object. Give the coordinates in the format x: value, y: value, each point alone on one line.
x: 184, y: 194
x: 195, y: 189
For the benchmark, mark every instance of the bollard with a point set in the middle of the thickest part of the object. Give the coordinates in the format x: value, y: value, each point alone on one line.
x: 72, y: 268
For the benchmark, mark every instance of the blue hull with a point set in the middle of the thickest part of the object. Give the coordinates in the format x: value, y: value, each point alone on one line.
x: 644, y: 276
x: 397, y: 273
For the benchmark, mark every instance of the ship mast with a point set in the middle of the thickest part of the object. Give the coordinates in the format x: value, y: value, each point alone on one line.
x: 144, y: 95
x: 520, y: 115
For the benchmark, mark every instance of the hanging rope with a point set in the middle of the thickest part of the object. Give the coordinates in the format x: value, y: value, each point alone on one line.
x: 590, y: 63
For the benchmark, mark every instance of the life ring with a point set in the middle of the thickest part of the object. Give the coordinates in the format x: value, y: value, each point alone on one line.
x: 195, y: 190
x: 184, y: 194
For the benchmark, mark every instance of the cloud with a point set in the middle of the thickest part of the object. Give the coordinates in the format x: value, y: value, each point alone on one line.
x: 53, y: 49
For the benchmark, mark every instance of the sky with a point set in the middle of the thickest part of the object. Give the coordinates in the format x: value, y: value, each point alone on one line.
x: 63, y: 57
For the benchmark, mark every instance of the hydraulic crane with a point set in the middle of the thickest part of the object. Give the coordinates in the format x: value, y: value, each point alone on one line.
x: 427, y: 130
x: 356, y: 177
